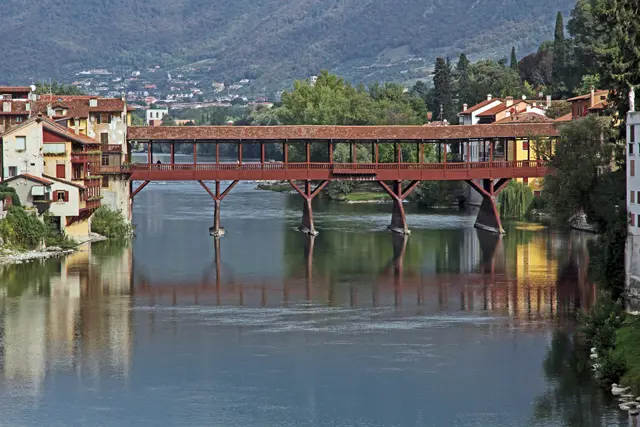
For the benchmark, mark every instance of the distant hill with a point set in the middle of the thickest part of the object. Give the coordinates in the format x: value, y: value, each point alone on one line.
x: 270, y: 40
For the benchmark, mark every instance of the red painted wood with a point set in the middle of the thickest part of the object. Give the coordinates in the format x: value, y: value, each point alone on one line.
x: 52, y: 137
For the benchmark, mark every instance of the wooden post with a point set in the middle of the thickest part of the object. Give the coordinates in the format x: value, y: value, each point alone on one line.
x: 377, y: 145
x: 421, y: 155
x: 354, y: 153
x: 195, y: 153
x: 173, y: 154
x: 240, y: 153
x: 262, y: 153
x: 150, y: 152
x: 286, y: 153
x: 491, y: 152
x: 308, y: 151
x: 330, y: 151
x: 217, y: 153
x: 445, y: 153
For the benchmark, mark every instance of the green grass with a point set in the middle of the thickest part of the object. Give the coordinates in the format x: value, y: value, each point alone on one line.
x: 628, y: 348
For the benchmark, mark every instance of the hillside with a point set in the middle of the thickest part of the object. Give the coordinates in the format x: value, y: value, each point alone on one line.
x: 271, y: 40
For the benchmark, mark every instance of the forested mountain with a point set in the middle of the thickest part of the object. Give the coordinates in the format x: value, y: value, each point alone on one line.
x: 271, y: 40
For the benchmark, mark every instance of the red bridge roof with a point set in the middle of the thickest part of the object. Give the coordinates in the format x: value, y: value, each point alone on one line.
x: 365, y: 133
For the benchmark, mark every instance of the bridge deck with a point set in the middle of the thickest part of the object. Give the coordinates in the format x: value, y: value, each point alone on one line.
x: 337, y: 171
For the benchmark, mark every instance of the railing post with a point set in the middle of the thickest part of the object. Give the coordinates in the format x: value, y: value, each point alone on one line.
x: 195, y: 153
x: 331, y: 151
x: 150, y: 152
x: 240, y: 153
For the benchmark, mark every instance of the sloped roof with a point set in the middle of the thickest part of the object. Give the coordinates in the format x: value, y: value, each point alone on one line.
x: 18, y: 108
x: 566, y: 118
x: 525, y: 117
x: 78, y: 105
x: 499, y: 108
x: 64, y: 181
x: 15, y: 89
x: 64, y: 132
x: 479, y: 106
x: 588, y: 95
x: 30, y: 177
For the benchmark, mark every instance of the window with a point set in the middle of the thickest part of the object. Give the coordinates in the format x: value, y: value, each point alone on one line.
x: 19, y: 119
x: 97, y: 119
x: 632, y: 168
x: 631, y: 149
x: 62, y: 196
x: 105, y: 181
x: 21, y: 143
x: 104, y: 138
x: 525, y: 145
x: 105, y: 160
x: 61, y: 171
x: 13, y: 171
x: 632, y: 220
x: 104, y: 118
x: 632, y: 133
x: 57, y: 148
x: 632, y: 199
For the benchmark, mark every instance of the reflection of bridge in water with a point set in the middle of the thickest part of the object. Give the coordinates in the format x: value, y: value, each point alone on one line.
x: 490, y: 288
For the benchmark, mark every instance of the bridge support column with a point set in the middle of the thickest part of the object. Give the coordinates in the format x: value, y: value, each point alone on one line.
x: 308, y: 194
x: 398, y: 217
x: 488, y: 217
x: 217, y: 231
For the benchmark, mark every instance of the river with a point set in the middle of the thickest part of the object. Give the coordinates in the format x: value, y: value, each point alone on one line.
x: 450, y: 327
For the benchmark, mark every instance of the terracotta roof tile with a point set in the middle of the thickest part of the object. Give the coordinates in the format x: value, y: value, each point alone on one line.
x: 28, y: 176
x: 480, y: 105
x: 64, y: 181
x: 588, y: 95
x: 14, y: 89
x: 499, y: 108
x: 366, y: 133
x: 66, y: 133
x: 525, y: 117
x: 566, y: 118
x: 18, y: 108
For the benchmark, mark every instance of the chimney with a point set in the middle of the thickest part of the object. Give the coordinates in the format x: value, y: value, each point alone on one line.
x: 464, y: 107
x: 548, y: 101
x: 429, y: 116
x: 27, y: 106
x: 508, y: 101
x: 592, y: 98
x: 489, y: 97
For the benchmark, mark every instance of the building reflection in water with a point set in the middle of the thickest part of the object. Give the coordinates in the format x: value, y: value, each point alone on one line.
x: 528, y: 274
x: 61, y: 315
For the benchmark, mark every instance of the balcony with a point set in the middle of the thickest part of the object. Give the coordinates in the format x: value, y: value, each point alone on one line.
x: 111, y: 148
x: 85, y: 157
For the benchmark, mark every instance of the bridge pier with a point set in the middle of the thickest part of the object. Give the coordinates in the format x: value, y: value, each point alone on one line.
x: 488, y: 216
x: 398, y: 217
x: 308, y: 194
x: 217, y: 231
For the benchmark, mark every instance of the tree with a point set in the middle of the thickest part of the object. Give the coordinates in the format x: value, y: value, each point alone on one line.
x: 559, y: 56
x: 488, y: 77
x: 168, y: 120
x: 583, y: 162
x: 464, y: 80
x: 443, y: 87
x: 56, y: 88
x: 514, y: 59
x: 537, y: 67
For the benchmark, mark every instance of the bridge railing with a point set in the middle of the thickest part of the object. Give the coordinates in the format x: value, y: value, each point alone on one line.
x: 451, y: 166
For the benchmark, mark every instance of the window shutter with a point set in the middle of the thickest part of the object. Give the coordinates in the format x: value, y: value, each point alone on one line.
x: 66, y: 196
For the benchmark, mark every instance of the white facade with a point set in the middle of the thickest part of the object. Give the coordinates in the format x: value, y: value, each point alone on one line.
x: 633, y: 203
x: 23, y: 150
x: 472, y: 117
x: 156, y: 114
x: 64, y: 208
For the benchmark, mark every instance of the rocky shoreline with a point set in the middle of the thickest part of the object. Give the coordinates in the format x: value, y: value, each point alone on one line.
x: 626, y: 401
x: 12, y: 256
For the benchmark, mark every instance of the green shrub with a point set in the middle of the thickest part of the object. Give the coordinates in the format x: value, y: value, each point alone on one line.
x: 55, y: 237
x: 5, y: 191
x: 515, y: 200
x: 110, y: 223
x: 612, y: 368
x: 437, y: 193
x: 22, y: 229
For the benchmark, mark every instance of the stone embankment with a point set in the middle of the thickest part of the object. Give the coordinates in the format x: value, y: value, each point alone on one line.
x: 13, y: 256
x: 626, y: 401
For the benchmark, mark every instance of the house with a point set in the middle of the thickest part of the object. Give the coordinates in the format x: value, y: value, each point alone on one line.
x: 503, y: 110
x: 469, y: 116
x: 156, y: 115
x: 632, y: 251
x: 16, y: 105
x: 594, y: 102
x: 54, y: 169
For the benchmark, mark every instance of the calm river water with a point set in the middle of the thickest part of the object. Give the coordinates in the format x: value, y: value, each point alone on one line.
x: 451, y: 327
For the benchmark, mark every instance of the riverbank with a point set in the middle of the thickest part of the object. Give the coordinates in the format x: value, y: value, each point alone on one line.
x: 10, y: 255
x: 628, y: 349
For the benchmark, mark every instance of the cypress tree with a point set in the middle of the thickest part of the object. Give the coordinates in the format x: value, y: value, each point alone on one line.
x: 443, y: 88
x: 559, y: 54
x: 464, y: 81
x: 514, y: 59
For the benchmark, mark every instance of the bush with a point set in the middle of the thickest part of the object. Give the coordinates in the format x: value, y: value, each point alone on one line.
x: 612, y: 367
x: 437, y: 193
x: 55, y: 237
x: 110, y: 223
x: 22, y: 229
x: 5, y: 191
